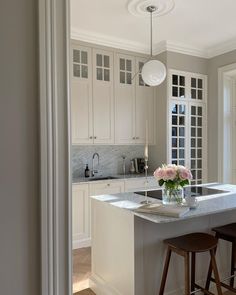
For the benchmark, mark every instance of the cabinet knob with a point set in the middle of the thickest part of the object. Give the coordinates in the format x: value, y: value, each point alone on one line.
x: 90, y: 137
x: 95, y: 137
x: 133, y: 137
x: 108, y: 184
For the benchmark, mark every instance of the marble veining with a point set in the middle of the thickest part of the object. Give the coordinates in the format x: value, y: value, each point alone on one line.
x: 207, y: 205
x: 110, y: 158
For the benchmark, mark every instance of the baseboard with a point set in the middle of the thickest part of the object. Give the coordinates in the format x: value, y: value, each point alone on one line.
x: 81, y: 243
x: 100, y: 287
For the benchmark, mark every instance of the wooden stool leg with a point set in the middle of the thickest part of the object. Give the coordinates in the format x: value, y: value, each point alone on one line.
x: 165, y: 271
x: 209, y: 274
x: 187, y: 278
x: 215, y: 271
x: 193, y: 262
x: 233, y: 258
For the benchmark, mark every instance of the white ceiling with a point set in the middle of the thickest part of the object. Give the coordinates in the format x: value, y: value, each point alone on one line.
x: 201, y: 27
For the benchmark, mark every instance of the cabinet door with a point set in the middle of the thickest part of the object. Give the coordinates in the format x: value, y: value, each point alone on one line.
x: 109, y: 187
x: 103, y: 98
x: 81, y: 95
x: 124, y: 99
x: 145, y: 108
x: 80, y: 215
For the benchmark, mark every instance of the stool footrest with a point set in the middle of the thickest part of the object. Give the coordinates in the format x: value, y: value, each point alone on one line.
x: 202, y: 289
x: 225, y: 286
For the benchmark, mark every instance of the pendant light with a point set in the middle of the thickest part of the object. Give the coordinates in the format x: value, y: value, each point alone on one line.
x: 153, y: 71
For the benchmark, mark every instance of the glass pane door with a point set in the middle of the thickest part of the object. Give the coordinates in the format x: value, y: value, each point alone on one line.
x: 196, y: 143
x: 178, y: 133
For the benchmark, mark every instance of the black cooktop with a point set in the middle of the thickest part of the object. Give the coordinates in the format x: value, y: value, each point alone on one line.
x: 194, y: 191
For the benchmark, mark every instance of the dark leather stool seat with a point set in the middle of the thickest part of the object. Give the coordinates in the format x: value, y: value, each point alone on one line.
x: 184, y: 246
x: 227, y: 233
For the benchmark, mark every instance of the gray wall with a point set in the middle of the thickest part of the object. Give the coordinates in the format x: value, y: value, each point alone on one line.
x: 213, y: 65
x: 19, y: 155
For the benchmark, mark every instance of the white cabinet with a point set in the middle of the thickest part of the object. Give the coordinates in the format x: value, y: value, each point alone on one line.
x: 134, y: 185
x: 106, y: 187
x: 134, y: 102
x: 103, y: 97
x: 145, y: 107
x: 80, y: 215
x: 81, y: 95
x: 92, y: 99
x: 188, y: 122
x: 124, y: 99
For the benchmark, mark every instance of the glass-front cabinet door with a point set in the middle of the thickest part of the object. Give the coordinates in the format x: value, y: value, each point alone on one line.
x: 187, y: 140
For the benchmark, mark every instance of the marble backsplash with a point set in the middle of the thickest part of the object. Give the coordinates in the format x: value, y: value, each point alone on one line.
x: 110, y: 158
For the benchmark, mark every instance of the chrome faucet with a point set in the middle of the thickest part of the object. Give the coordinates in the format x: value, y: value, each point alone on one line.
x: 93, y: 170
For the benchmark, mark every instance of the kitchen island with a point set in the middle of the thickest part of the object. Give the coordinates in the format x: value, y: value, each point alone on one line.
x: 127, y: 247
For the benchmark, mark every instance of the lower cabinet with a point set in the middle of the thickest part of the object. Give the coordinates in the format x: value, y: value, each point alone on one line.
x: 81, y: 193
x: 80, y: 216
x: 109, y: 187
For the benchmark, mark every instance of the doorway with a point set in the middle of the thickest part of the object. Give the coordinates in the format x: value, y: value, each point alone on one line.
x: 227, y: 124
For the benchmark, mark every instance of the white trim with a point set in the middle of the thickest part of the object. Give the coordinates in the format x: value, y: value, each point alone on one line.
x: 221, y: 48
x: 162, y: 46
x: 55, y: 191
x: 221, y: 74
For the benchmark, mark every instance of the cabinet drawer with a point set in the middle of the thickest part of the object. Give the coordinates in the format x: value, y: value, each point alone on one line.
x: 132, y: 185
x: 106, y: 187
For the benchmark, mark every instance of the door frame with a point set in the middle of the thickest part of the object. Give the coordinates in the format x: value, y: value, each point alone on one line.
x: 55, y: 170
x: 222, y: 74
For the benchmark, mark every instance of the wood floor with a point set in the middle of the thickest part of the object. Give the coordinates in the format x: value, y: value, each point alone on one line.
x: 81, y: 270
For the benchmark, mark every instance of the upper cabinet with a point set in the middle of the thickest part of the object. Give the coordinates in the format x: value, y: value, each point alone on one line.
x: 145, y: 107
x: 110, y: 103
x: 103, y: 97
x: 124, y: 99
x: 134, y: 102
x: 81, y: 95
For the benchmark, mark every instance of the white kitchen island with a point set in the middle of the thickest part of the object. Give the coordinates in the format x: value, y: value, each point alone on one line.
x: 127, y: 247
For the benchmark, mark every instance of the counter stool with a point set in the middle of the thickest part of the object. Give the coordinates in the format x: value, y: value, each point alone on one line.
x: 184, y: 245
x: 227, y: 233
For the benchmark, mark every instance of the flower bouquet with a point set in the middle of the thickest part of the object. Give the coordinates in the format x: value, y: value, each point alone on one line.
x: 173, y: 178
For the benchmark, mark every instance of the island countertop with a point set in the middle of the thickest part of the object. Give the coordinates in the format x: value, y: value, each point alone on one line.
x: 208, y: 205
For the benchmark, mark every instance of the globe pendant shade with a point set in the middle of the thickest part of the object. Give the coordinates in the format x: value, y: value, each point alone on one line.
x: 153, y: 72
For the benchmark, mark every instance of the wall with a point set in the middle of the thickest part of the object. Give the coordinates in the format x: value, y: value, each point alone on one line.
x: 213, y: 65
x: 19, y: 155
x: 110, y: 158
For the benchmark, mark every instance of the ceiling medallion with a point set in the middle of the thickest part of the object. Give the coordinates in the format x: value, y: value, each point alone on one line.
x: 139, y: 7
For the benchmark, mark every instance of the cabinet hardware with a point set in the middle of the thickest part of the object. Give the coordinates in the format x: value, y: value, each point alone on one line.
x: 90, y: 137
x: 137, y: 137
x: 108, y: 184
x: 133, y: 137
x: 95, y: 137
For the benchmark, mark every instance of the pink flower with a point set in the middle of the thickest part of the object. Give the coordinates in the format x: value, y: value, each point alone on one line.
x: 185, y: 173
x: 159, y: 173
x: 170, y: 173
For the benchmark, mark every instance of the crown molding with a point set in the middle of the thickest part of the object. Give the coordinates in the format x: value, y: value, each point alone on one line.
x: 222, y: 48
x: 105, y: 40
x: 165, y: 45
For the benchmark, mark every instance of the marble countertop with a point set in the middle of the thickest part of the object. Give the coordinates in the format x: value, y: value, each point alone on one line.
x: 207, y: 204
x: 116, y: 177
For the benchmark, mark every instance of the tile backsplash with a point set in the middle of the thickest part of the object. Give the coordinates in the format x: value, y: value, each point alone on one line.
x: 110, y: 158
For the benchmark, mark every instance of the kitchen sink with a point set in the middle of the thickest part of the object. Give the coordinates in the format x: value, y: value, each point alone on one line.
x: 102, y: 178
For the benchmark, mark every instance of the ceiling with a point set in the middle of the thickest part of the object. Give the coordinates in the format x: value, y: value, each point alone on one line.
x: 199, y: 27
